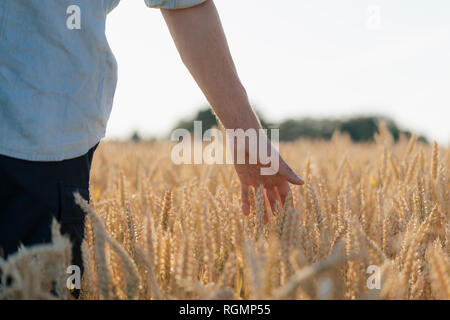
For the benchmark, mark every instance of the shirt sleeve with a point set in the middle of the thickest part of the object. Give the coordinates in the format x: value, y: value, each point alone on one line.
x: 172, y: 4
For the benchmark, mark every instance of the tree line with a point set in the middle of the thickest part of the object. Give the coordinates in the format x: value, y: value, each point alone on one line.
x: 359, y: 128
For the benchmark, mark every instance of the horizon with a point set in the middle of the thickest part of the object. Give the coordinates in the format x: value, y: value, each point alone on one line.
x: 274, y: 125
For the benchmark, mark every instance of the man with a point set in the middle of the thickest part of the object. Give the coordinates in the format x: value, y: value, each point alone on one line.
x: 57, y: 81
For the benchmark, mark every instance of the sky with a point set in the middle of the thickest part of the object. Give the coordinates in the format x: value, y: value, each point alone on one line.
x: 296, y: 58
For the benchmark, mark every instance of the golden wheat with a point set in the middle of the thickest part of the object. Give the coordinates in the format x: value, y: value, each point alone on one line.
x: 159, y: 231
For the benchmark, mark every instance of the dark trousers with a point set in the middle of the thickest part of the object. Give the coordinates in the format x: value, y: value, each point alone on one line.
x: 32, y: 193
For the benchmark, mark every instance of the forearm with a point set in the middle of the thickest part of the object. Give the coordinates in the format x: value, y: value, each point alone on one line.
x: 201, y: 42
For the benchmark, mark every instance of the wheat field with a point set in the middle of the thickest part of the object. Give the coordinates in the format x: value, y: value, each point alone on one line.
x: 160, y: 231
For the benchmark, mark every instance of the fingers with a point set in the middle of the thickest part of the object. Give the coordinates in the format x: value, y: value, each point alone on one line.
x: 289, y: 174
x: 266, y: 209
x: 245, y: 201
x: 273, y: 196
x: 284, y: 189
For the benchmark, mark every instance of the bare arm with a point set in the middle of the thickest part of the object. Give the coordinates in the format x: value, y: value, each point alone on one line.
x: 201, y: 42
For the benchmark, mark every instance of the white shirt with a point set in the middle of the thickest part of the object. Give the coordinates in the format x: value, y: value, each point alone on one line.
x: 57, y: 75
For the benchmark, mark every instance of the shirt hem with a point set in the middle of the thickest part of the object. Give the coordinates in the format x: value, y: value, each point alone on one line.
x: 49, y: 158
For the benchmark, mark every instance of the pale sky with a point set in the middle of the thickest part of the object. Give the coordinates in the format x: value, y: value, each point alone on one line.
x: 296, y: 58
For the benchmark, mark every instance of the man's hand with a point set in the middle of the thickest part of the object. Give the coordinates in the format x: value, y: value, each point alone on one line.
x: 276, y: 187
x: 201, y: 42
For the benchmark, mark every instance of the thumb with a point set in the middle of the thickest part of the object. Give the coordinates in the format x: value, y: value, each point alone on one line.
x: 289, y: 174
